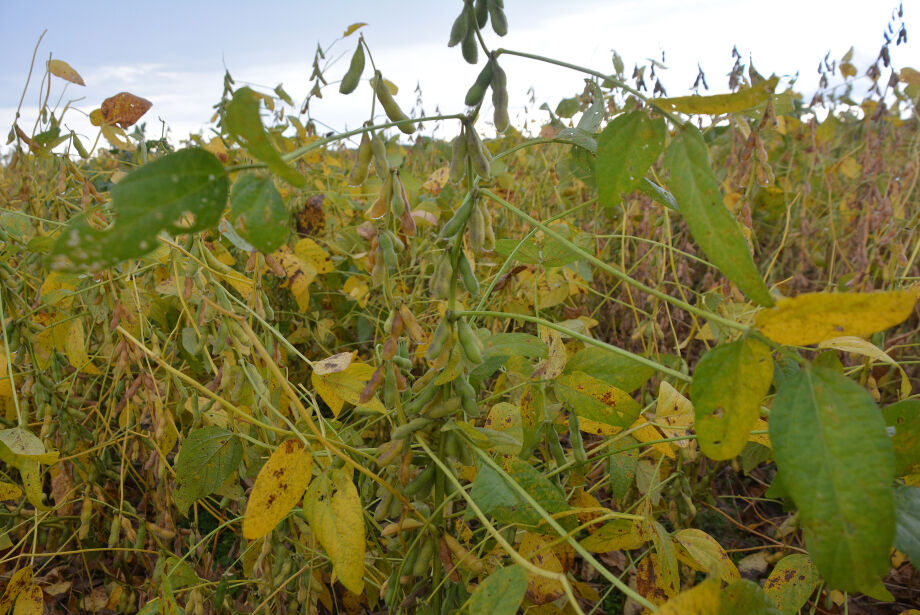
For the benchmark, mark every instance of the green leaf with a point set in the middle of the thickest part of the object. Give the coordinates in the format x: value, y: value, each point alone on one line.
x: 621, y: 467
x: 550, y: 253
x: 568, y: 107
x: 903, y: 418
x: 728, y: 385
x: 791, y: 583
x: 515, y: 344
x: 907, y: 537
x: 496, y: 497
x: 258, y: 212
x: 658, y: 193
x: 616, y: 370
x: 831, y: 448
x: 594, y: 399
x: 713, y: 227
x: 501, y: 592
x: 242, y: 121
x: 626, y: 149
x: 185, y: 192
x: 208, y: 456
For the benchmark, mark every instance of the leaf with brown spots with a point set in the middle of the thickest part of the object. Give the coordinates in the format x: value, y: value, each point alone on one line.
x: 124, y: 109
x: 30, y: 601
x: 651, y: 583
x: 60, y: 68
x: 701, y: 552
x: 596, y: 400
x: 791, y: 583
x: 280, y: 484
x: 538, y: 549
x: 702, y: 599
x: 19, y: 581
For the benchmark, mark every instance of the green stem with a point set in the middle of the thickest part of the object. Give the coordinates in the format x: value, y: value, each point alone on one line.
x: 658, y: 367
x: 712, y: 316
x: 620, y: 84
x: 20, y: 419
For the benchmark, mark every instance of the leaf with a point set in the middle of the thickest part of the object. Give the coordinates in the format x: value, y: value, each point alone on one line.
x: 616, y: 370
x: 310, y: 252
x: 334, y: 364
x: 745, y: 596
x: 497, y: 498
x: 258, y: 213
x: 702, y: 599
x: 728, y: 386
x: 515, y: 345
x: 9, y: 491
x: 903, y: 418
x: 596, y: 400
x: 720, y: 103
x: 242, y: 121
x: 124, y: 109
x: 500, y: 593
x: 674, y: 416
x: 652, y: 582
x: 353, y: 28
x: 279, y: 485
x: 553, y: 365
x: 658, y: 193
x: 208, y: 456
x: 857, y: 345
x: 6, y: 384
x: 706, y: 555
x: 300, y: 274
x: 75, y: 348
x: 345, y: 386
x: 792, y: 581
x: 538, y: 549
x: 811, y: 318
x: 180, y: 193
x: 18, y: 445
x: 831, y: 448
x: 907, y: 536
x: 616, y: 535
x: 21, y: 579
x: 30, y: 601
x: 626, y: 149
x: 60, y: 68
x: 712, y: 226
x: 333, y: 510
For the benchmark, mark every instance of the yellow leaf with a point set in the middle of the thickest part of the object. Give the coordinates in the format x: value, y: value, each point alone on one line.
x: 701, y: 552
x: 702, y: 599
x: 814, y: 317
x: 348, y: 32
x: 9, y: 491
x: 280, y: 484
x: 437, y: 180
x: 720, y: 103
x: 355, y: 288
x: 29, y: 602
x: 857, y: 345
x: 334, y: 364
x: 57, y: 289
x: 675, y: 411
x: 616, y: 535
x: 6, y: 385
x: 651, y: 581
x: 299, y: 275
x: 909, y: 75
x: 538, y: 549
x: 345, y: 386
x: 21, y: 579
x: 310, y: 252
x: 60, y: 68
x: 115, y: 136
x: 75, y: 348
x: 760, y: 438
x: 333, y: 510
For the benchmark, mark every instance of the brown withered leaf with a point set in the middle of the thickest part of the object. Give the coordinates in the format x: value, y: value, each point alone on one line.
x: 124, y: 109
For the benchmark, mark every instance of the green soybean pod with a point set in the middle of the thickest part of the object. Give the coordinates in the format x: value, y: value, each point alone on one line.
x: 470, y: 47
x: 469, y: 343
x: 404, y: 431
x: 555, y: 447
x: 459, y: 28
x: 439, y: 284
x: 468, y: 398
x: 458, y: 157
x: 489, y: 243
x: 422, y: 483
x: 359, y: 171
x: 380, y: 513
x: 477, y: 227
x: 423, y: 561
x: 477, y: 153
x: 500, y: 98
x: 575, y: 438
x: 379, y: 152
x: 421, y: 400
x: 458, y: 220
x: 497, y: 15
x: 481, y: 10
x: 385, y: 240
x: 390, y: 107
x: 353, y: 74
x: 477, y: 91
x: 438, y: 340
x: 445, y: 407
x: 467, y: 275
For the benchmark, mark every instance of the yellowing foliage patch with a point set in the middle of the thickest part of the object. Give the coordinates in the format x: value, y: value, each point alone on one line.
x: 280, y: 484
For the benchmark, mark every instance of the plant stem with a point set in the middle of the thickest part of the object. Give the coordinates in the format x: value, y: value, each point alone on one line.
x: 712, y: 316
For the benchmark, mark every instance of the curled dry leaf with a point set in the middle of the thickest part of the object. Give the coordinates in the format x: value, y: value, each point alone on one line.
x: 124, y: 109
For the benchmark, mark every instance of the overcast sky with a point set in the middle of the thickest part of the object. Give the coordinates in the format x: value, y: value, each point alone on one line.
x: 175, y: 53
